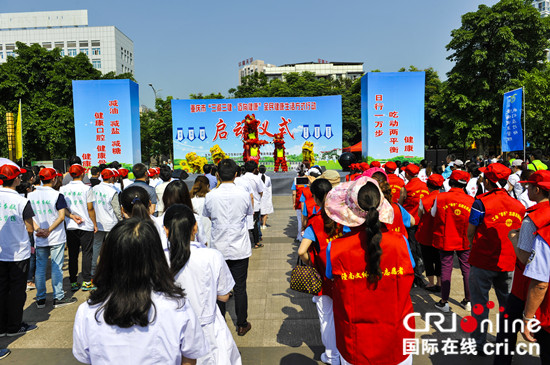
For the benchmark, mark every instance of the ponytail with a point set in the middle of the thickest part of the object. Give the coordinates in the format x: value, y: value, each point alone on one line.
x: 369, y: 199
x: 373, y: 251
x: 319, y: 188
x: 135, y: 201
x: 180, y: 221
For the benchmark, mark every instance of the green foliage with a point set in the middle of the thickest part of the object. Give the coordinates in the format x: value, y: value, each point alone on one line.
x: 209, y: 96
x: 42, y: 79
x: 156, y: 130
x: 492, y: 49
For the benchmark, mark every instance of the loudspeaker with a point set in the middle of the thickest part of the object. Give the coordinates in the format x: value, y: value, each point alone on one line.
x: 61, y: 165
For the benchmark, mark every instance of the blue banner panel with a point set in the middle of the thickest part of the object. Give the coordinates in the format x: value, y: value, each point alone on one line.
x: 201, y: 123
x: 392, y: 115
x: 106, y: 119
x: 512, y: 133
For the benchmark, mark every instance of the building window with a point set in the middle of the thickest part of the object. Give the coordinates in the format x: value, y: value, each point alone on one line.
x: 83, y: 44
x: 71, y: 44
x: 71, y: 52
x: 59, y: 45
x: 96, y: 51
x: 10, y: 53
x: 62, y: 53
x: 96, y: 64
x: 10, y: 47
x: 85, y: 51
x: 1, y: 55
x: 47, y: 45
x: 96, y: 43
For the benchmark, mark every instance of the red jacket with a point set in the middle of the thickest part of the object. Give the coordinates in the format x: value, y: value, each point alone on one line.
x: 451, y: 220
x: 416, y: 190
x: 397, y: 225
x: 318, y: 250
x: 540, y: 215
x: 492, y: 249
x: 396, y: 183
x: 299, y: 191
x: 424, y: 233
x: 310, y: 202
x: 369, y: 317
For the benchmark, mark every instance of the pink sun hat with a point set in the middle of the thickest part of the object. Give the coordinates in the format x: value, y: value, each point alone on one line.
x: 341, y: 204
x: 372, y: 170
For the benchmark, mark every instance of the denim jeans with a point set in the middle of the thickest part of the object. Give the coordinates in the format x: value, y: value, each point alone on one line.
x: 99, y: 237
x: 57, y: 255
x: 32, y: 263
x: 481, y: 281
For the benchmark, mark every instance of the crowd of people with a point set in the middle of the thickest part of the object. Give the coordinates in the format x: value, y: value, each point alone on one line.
x: 386, y: 228
x: 159, y: 259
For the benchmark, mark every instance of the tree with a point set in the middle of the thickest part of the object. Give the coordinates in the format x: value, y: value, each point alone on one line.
x: 156, y: 130
x: 491, y: 49
x: 42, y: 80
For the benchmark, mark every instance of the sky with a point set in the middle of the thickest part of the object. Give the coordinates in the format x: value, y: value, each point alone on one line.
x: 184, y: 47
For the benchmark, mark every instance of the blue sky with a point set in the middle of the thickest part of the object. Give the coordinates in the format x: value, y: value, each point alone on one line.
x: 185, y: 47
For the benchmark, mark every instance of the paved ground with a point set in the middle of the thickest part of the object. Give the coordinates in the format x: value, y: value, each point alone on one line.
x: 285, y: 327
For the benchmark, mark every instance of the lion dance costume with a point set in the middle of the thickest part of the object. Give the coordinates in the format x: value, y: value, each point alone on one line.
x: 307, y: 153
x: 195, y: 162
x: 217, y: 154
x: 279, y: 152
x: 249, y: 135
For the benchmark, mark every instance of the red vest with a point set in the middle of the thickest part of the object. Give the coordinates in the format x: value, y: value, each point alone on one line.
x: 397, y: 225
x: 299, y: 191
x: 451, y: 220
x: 543, y: 312
x: 424, y: 233
x: 368, y: 317
x: 396, y: 183
x: 491, y: 249
x: 416, y: 190
x: 540, y: 215
x: 319, y: 254
x: 310, y: 202
x: 347, y: 177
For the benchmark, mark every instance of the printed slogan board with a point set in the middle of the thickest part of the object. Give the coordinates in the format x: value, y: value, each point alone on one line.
x: 392, y: 113
x: 106, y: 118
x: 201, y: 123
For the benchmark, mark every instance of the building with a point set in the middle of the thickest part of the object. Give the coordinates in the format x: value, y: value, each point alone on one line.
x: 322, y: 69
x: 107, y: 47
x: 543, y: 6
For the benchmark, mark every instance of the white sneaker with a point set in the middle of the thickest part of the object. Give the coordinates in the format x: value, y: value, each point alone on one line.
x: 466, y: 305
x: 444, y: 307
x: 324, y: 358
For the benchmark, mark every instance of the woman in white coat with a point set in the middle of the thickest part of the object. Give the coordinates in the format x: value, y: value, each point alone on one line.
x: 205, y: 277
x: 266, y: 204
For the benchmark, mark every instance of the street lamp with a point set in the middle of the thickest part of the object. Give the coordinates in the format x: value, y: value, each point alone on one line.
x: 155, y: 91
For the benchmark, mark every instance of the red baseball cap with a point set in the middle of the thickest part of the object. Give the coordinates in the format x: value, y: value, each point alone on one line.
x: 496, y: 172
x: 76, y: 170
x: 540, y: 178
x: 115, y: 171
x: 123, y: 172
x: 48, y: 174
x: 11, y: 171
x: 151, y: 172
x: 390, y: 166
x: 364, y: 166
x: 107, y: 174
x: 460, y: 176
x: 436, y: 180
x: 375, y: 164
x: 412, y: 169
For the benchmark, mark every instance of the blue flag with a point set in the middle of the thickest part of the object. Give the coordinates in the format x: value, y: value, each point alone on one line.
x: 512, y: 133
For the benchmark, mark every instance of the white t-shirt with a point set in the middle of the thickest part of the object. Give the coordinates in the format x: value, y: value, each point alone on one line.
x: 246, y: 185
x: 14, y: 240
x: 257, y: 186
x: 105, y: 214
x: 174, y: 333
x: 227, y: 207
x: 204, y: 277
x: 44, y: 204
x: 77, y: 195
